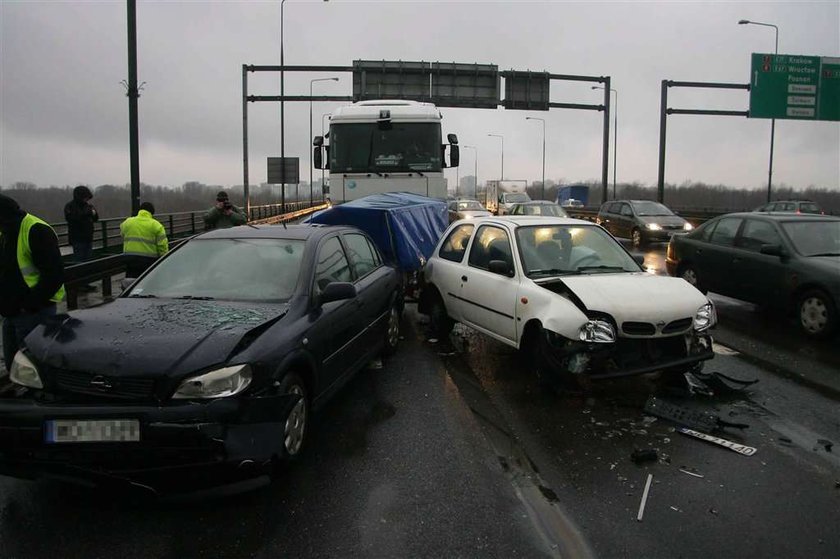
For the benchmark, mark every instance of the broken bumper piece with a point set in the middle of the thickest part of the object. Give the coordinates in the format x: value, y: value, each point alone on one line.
x: 179, y: 447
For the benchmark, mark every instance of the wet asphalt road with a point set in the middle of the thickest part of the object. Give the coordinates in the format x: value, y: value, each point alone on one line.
x: 453, y: 450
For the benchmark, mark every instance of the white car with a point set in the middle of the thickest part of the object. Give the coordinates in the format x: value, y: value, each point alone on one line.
x: 509, y: 199
x: 569, y: 295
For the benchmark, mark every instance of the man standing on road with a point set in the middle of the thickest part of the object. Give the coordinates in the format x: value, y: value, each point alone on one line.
x: 144, y: 239
x: 224, y: 214
x: 80, y: 216
x: 31, y: 274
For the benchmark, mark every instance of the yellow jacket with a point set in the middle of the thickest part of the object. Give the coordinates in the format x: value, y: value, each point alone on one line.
x: 143, y: 235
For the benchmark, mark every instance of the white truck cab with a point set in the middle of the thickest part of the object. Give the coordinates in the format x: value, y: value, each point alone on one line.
x: 385, y: 146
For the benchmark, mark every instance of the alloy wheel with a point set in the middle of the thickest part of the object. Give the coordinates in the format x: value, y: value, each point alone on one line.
x: 393, y: 327
x: 813, y: 314
x: 296, y: 423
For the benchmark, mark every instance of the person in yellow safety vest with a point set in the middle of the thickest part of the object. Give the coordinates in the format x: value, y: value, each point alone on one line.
x: 31, y: 276
x: 144, y: 240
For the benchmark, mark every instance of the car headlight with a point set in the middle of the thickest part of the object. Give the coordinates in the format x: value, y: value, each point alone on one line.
x: 705, y: 318
x: 688, y: 226
x: 653, y: 226
x: 220, y: 383
x: 24, y: 372
x: 597, y: 331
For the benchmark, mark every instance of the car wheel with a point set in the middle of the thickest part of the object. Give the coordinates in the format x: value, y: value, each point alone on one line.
x: 438, y: 318
x: 817, y: 315
x: 689, y: 274
x: 535, y: 350
x: 296, y: 427
x: 637, y: 238
x: 392, y: 330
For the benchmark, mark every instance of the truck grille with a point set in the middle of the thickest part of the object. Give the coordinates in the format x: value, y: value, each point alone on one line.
x: 104, y: 386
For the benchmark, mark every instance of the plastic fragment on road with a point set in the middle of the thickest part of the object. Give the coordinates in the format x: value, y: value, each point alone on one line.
x: 735, y: 447
x: 375, y: 365
x: 432, y: 340
x: 701, y: 476
x: 723, y: 383
x: 683, y: 416
x: 697, y: 386
x: 644, y: 498
x: 644, y: 455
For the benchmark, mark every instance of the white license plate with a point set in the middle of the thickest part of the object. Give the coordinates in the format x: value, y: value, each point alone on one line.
x: 92, y: 430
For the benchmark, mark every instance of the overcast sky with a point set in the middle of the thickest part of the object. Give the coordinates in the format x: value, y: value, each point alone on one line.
x: 64, y: 115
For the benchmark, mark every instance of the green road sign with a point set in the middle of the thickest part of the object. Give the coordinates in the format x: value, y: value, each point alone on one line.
x: 794, y: 87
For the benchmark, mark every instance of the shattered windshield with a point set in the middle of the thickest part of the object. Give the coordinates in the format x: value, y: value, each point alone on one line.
x: 227, y: 269
x: 567, y: 249
x: 399, y: 147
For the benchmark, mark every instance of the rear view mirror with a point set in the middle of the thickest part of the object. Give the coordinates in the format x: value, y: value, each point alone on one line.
x: 773, y: 250
x: 500, y: 267
x: 452, y: 138
x: 337, y: 291
x: 318, y: 141
x: 317, y: 157
x: 454, y: 155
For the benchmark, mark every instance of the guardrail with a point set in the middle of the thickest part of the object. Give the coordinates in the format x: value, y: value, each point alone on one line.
x: 105, y: 268
x: 107, y: 238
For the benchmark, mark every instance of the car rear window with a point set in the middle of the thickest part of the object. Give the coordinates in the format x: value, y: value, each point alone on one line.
x: 809, y: 208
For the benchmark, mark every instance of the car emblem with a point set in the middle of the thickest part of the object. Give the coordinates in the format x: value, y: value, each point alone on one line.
x: 661, y: 323
x: 101, y: 383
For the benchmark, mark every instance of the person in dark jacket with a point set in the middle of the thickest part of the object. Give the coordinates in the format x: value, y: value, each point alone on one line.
x: 80, y: 216
x: 31, y: 274
x: 224, y: 214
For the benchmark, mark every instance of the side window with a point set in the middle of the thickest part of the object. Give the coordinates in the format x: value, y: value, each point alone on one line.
x: 377, y: 259
x: 613, y: 208
x: 757, y: 233
x: 517, y: 209
x: 361, y: 257
x: 332, y: 265
x: 625, y: 210
x: 770, y: 207
x: 456, y: 243
x: 724, y: 233
x: 491, y: 243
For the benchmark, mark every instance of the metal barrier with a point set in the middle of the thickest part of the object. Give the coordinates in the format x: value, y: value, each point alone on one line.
x: 107, y: 238
x: 107, y: 267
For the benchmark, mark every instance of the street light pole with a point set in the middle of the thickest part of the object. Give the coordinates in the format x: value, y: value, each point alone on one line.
x: 772, y: 122
x: 323, y: 194
x: 311, y: 191
x: 503, y: 152
x: 282, y: 117
x: 543, y: 154
x: 475, y: 184
x: 615, y: 136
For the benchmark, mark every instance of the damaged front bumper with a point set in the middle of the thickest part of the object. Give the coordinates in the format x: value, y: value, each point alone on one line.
x: 629, y: 356
x: 181, y: 447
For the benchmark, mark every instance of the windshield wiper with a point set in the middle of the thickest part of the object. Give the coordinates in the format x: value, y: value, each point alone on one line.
x: 196, y: 298
x: 602, y: 267
x: 826, y: 254
x: 553, y: 272
x: 142, y: 296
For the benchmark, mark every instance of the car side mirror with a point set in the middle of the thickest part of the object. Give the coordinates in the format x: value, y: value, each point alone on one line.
x: 337, y: 291
x: 773, y: 250
x: 500, y: 267
x: 639, y: 259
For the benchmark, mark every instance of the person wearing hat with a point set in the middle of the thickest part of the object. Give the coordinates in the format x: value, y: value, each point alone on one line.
x: 144, y: 240
x: 223, y: 214
x: 31, y: 274
x: 80, y: 216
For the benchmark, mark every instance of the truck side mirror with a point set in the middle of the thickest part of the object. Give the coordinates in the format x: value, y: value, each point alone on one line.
x: 317, y: 157
x: 454, y: 154
x: 318, y: 141
x: 452, y: 138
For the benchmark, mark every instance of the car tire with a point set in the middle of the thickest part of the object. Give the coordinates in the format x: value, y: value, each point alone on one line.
x: 439, y: 320
x: 534, y: 350
x: 816, y: 314
x: 637, y: 238
x: 296, y: 426
x: 392, y: 330
x: 689, y: 274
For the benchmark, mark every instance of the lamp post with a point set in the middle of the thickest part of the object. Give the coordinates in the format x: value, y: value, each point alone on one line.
x: 503, y: 165
x: 323, y: 194
x: 282, y: 117
x: 475, y: 184
x: 311, y: 195
x: 543, y: 163
x: 772, y: 122
x: 615, y: 135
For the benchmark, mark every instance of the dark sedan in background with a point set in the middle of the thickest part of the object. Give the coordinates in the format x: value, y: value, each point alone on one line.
x: 466, y: 209
x: 780, y: 261
x: 641, y: 221
x: 206, y: 369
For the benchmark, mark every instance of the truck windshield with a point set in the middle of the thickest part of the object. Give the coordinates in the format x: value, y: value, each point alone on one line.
x: 404, y: 147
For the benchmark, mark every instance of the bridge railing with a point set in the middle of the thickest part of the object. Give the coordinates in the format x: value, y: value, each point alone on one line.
x: 107, y: 238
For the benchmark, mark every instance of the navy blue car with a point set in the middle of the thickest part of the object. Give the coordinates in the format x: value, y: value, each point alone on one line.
x: 211, y: 362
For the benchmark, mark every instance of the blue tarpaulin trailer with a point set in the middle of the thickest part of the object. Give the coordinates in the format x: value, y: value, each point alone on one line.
x: 406, y: 227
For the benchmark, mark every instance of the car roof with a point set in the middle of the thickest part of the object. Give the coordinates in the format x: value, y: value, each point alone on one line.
x: 537, y: 203
x: 783, y: 216
x: 296, y: 231
x: 514, y: 221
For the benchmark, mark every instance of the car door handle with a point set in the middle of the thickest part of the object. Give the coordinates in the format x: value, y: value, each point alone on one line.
x: 464, y: 278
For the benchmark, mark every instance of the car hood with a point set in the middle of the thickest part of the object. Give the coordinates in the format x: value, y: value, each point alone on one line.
x: 636, y: 297
x: 663, y: 219
x: 149, y: 338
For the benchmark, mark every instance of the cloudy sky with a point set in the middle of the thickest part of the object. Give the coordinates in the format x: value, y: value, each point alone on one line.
x: 64, y: 115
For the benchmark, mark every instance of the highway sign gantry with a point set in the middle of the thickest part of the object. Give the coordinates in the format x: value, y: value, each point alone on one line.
x: 786, y: 86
